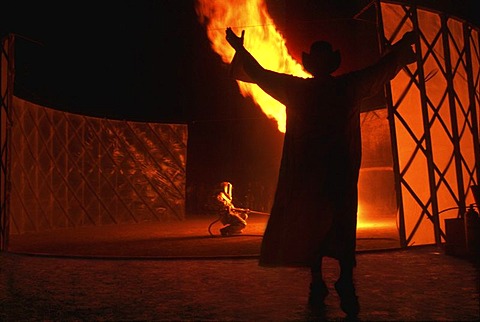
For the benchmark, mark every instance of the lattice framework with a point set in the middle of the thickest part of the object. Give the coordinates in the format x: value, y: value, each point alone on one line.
x: 433, y: 107
x: 73, y: 170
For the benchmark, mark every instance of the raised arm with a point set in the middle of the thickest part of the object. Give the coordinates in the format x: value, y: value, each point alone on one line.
x: 245, y: 67
x: 399, y: 55
x: 243, y: 59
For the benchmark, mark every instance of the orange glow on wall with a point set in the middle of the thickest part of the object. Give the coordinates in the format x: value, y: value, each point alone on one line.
x: 262, y: 39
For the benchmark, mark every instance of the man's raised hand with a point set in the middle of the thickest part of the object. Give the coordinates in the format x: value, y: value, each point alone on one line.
x: 234, y: 41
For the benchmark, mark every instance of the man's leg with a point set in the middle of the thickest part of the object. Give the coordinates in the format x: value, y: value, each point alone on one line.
x: 346, y: 271
x: 346, y: 289
x: 318, y: 288
x: 233, y: 229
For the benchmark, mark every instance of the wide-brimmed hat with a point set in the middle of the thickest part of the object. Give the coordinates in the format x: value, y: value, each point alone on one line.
x: 321, y: 56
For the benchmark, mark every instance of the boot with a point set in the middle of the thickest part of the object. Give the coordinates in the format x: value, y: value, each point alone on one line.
x: 231, y: 230
x: 348, y: 298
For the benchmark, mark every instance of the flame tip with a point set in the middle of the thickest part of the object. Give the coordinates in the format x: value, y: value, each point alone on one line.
x: 262, y: 39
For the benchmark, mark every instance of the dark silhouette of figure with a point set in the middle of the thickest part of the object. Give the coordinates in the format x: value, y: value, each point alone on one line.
x: 315, y: 207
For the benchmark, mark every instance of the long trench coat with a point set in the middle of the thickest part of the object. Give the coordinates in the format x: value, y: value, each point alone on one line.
x: 314, y: 213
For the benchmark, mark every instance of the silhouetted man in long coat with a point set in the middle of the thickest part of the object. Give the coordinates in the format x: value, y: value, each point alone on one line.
x: 315, y: 207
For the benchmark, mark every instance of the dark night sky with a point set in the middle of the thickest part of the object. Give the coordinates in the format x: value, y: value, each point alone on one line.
x: 123, y: 59
x: 151, y: 61
x: 134, y: 59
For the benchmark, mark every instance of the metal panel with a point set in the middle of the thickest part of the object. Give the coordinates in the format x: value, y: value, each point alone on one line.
x: 72, y: 170
x: 434, y: 119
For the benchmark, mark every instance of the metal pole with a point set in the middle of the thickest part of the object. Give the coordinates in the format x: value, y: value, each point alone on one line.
x: 453, y: 115
x: 467, y: 32
x: 7, y: 75
x: 393, y: 135
x: 427, y: 134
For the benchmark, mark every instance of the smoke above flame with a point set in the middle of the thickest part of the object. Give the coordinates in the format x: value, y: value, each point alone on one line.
x: 262, y: 40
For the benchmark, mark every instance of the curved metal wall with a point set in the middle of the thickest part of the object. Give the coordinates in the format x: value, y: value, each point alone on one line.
x: 434, y: 108
x: 71, y: 170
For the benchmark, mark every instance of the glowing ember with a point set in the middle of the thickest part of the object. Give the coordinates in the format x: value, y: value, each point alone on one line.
x: 262, y: 39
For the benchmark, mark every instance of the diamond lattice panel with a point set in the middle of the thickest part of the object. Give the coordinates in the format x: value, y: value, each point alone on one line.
x: 71, y: 170
x: 434, y: 119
